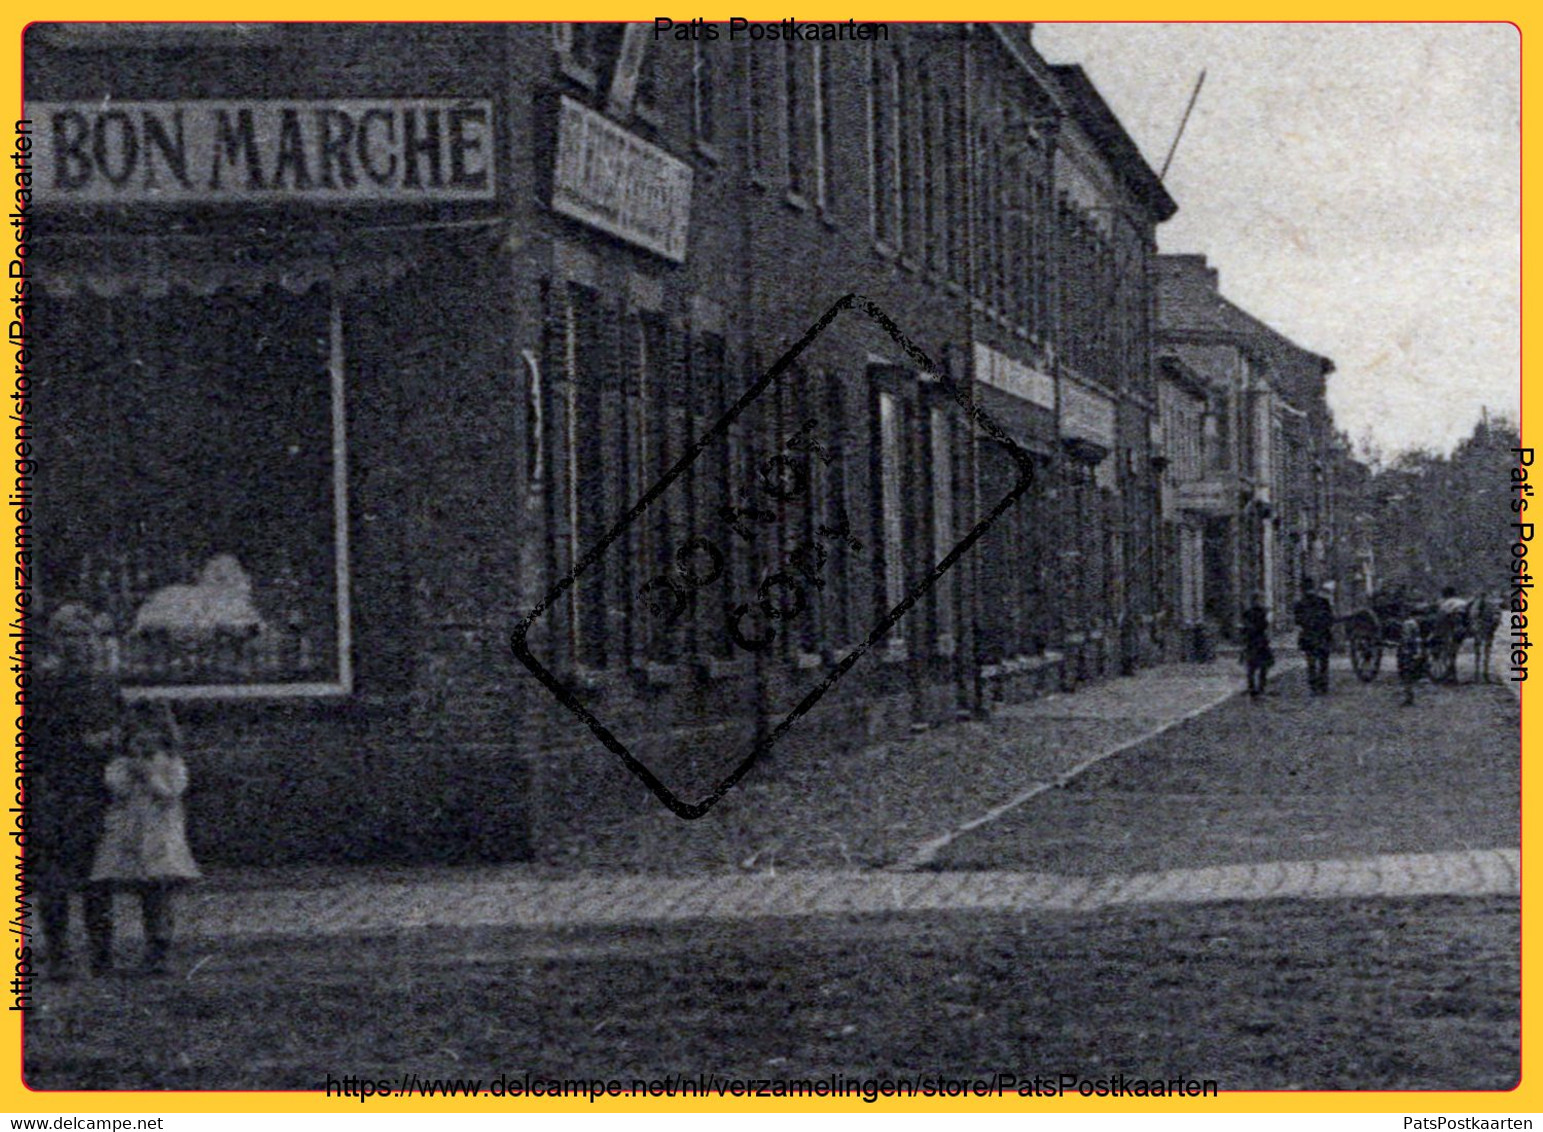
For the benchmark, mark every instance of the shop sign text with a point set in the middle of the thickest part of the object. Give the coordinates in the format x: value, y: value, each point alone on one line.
x: 617, y: 182
x: 341, y: 152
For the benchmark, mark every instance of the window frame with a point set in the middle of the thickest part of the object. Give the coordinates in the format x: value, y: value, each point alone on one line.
x: 705, y: 100
x: 883, y: 152
x: 889, y: 519
x: 343, y: 618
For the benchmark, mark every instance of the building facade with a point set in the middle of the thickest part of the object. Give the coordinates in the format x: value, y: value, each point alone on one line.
x: 382, y: 355
x: 1183, y: 413
x: 1265, y: 496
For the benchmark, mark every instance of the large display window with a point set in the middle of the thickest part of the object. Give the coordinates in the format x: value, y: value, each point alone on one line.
x: 192, y: 487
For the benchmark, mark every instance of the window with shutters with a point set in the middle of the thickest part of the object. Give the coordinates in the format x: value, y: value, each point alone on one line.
x: 704, y: 91
x: 662, y: 432
x: 944, y: 536
x: 884, y: 144
x: 597, y: 477
x: 888, y: 503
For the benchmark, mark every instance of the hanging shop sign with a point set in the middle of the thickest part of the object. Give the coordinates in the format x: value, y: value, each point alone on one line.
x: 1208, y: 497
x: 612, y: 180
x: 337, y: 152
x: 1086, y: 415
x: 1013, y: 377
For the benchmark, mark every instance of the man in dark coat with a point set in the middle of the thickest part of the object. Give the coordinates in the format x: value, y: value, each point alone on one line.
x: 73, y: 730
x: 1315, y: 635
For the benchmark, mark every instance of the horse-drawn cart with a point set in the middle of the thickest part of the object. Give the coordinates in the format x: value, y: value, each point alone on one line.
x: 1443, y: 626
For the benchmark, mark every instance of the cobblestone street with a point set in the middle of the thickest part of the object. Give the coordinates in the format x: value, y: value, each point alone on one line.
x: 1391, y: 994
x: 1291, y: 893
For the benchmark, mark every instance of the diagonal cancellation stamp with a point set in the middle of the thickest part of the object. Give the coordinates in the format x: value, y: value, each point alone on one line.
x: 775, y: 525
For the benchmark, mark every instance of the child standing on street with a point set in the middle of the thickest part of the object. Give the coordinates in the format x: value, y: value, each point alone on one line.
x: 144, y: 849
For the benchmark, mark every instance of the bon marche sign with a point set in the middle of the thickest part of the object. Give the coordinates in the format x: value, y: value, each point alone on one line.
x: 619, y: 183
x: 343, y: 152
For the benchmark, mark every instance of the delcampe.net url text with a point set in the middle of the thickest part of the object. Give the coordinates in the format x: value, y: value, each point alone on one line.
x: 868, y: 1089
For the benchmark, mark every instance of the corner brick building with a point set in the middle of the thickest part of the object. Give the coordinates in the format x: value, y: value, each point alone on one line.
x: 378, y: 330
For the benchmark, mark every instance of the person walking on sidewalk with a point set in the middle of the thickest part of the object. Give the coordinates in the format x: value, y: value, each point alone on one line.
x: 1257, y: 656
x: 1315, y: 635
x: 144, y: 848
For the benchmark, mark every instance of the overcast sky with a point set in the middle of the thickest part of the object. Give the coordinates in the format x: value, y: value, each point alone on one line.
x: 1357, y: 186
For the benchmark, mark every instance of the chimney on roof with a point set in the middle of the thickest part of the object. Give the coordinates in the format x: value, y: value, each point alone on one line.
x: 1192, y: 265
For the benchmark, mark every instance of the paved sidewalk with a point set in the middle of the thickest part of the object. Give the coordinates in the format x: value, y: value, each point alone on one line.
x: 798, y: 840
x: 882, y: 805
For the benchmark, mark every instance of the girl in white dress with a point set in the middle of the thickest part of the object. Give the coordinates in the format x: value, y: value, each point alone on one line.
x: 144, y: 848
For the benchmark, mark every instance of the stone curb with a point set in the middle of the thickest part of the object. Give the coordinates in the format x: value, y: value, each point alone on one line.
x: 597, y: 901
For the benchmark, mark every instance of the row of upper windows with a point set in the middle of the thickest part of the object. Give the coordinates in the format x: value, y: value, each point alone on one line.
x: 1041, y: 263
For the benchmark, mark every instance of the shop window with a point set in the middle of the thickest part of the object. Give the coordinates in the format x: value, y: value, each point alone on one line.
x: 812, y: 548
x: 1020, y: 561
x: 818, y: 555
x: 838, y: 611
x: 219, y: 553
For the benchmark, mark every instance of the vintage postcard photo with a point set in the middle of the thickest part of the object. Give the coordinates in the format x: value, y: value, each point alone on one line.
x: 852, y: 561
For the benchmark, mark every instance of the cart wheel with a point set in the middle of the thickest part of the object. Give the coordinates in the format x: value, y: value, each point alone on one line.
x: 1365, y: 653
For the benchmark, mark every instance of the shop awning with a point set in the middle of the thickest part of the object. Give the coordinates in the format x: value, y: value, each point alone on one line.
x: 153, y: 266
x: 1030, y: 427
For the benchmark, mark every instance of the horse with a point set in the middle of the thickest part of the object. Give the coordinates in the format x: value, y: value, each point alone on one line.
x: 1484, y: 616
x: 1458, y: 619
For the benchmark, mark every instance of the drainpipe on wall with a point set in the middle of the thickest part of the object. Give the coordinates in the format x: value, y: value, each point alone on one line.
x: 761, y: 688
x: 977, y: 682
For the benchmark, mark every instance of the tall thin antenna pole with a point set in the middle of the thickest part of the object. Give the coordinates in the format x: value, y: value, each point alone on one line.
x: 1194, y: 94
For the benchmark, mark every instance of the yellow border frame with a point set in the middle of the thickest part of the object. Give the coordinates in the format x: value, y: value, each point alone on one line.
x: 1528, y: 1097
